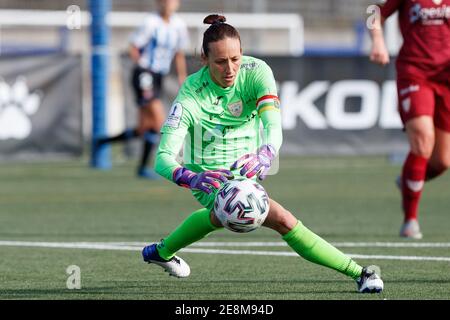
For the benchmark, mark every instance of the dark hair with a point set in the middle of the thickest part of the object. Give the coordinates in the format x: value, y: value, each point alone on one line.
x: 217, y: 31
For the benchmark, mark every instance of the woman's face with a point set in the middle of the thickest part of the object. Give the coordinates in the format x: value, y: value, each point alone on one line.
x: 224, y: 60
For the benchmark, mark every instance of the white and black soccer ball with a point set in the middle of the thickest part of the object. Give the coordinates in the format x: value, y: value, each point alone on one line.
x: 241, y: 205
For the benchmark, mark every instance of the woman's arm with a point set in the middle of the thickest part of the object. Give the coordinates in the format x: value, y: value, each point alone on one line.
x: 180, y: 65
x: 378, y: 53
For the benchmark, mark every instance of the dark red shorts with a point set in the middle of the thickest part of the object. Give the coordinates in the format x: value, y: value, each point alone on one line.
x: 420, y: 97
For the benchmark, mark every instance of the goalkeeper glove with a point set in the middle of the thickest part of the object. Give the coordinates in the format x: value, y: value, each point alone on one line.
x: 256, y: 164
x: 205, y: 181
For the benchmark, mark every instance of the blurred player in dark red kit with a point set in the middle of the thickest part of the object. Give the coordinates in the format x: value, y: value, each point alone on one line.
x: 423, y: 86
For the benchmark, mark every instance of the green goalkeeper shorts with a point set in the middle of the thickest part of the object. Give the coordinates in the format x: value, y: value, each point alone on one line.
x: 206, y: 200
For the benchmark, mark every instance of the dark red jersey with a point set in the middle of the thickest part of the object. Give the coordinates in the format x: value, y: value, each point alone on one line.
x: 425, y: 26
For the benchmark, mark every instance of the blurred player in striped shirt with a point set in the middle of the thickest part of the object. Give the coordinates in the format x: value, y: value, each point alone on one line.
x: 162, y: 38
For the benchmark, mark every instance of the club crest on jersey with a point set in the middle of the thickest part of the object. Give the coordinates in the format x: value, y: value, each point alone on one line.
x: 235, y: 108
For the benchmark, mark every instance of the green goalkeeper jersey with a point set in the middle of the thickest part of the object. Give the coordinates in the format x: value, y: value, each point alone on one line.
x: 218, y: 125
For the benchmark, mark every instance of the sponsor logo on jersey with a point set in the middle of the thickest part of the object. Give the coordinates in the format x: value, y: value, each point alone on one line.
x: 203, y: 86
x: 216, y: 115
x: 429, y: 16
x: 216, y: 103
x: 249, y: 66
x: 235, y: 108
x: 174, y: 117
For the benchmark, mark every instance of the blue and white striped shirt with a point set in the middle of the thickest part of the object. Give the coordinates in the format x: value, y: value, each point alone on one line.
x: 159, y: 41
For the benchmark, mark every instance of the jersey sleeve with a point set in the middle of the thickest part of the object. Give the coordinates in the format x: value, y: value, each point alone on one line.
x: 388, y: 7
x: 268, y: 106
x: 183, y: 37
x: 272, y: 130
x: 173, y: 133
x: 263, y: 81
x: 142, y: 35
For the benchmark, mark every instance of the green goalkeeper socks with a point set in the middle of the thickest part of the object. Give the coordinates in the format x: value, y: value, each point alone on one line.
x: 194, y: 228
x: 315, y: 249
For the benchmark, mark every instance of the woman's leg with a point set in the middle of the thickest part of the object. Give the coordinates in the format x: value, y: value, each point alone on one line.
x: 440, y: 158
x: 421, y: 137
x: 151, y: 119
x: 197, y: 226
x: 307, y: 244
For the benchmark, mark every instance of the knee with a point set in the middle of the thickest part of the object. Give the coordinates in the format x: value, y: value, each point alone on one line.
x: 156, y: 120
x: 442, y: 162
x: 284, y: 221
x: 422, y: 143
x: 159, y: 120
x: 284, y: 218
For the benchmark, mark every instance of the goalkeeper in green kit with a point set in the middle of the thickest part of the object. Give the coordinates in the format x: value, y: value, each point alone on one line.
x: 217, y: 116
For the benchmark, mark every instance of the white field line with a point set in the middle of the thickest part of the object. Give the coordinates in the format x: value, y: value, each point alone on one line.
x: 412, y: 258
x: 283, y: 244
x: 293, y: 254
x: 115, y: 246
x: 69, y: 245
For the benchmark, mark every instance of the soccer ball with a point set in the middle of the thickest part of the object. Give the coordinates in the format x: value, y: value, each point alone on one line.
x: 241, y: 205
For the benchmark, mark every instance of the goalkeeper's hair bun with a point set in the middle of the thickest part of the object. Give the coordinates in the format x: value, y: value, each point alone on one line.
x: 214, y: 18
x: 217, y: 30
